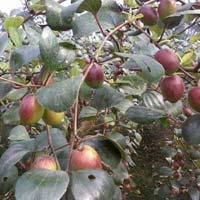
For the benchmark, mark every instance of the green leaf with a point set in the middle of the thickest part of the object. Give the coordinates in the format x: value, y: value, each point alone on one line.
x: 187, y: 12
x: 108, y: 17
x: 18, y: 133
x: 152, y: 70
x: 58, y: 139
x: 109, y: 150
x: 3, y: 41
x: 22, y: 56
x: 5, y: 88
x: 11, y: 116
x: 16, y: 94
x: 124, y: 105
x: 55, y: 18
x: 13, y: 22
x: 191, y: 130
x: 49, y: 49
x: 106, y: 97
x: 10, y: 179
x: 194, y: 38
x: 144, y: 115
x: 88, y: 112
x: 133, y: 85
x: 93, y: 184
x: 64, y: 94
x: 11, y: 25
x: 92, y: 6
x: 41, y: 184
x: 10, y: 157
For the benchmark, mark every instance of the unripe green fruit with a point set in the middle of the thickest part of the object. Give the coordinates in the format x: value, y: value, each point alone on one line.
x: 150, y: 16
x: 45, y: 162
x: 85, y: 157
x: 168, y: 59
x: 194, y: 98
x: 53, y: 118
x: 172, y: 88
x: 166, y: 8
x: 95, y: 76
x: 30, y: 111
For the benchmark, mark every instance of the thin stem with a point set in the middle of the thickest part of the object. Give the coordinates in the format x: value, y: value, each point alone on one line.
x: 75, y: 132
x: 162, y: 34
x: 50, y: 143
x: 107, y: 36
x: 16, y: 83
x: 144, y: 32
x: 99, y: 25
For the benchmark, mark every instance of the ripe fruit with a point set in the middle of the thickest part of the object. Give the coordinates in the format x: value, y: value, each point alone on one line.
x: 45, y: 162
x: 168, y: 59
x: 172, y: 88
x: 30, y: 111
x: 187, y: 112
x: 194, y: 98
x: 53, y: 118
x: 166, y: 8
x: 85, y: 157
x: 95, y: 76
x: 149, y: 15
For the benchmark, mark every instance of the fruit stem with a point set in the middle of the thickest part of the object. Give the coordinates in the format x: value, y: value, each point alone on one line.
x: 51, y: 145
x: 107, y: 37
x: 76, y: 103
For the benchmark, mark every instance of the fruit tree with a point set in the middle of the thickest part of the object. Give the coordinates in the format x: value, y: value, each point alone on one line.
x: 81, y: 87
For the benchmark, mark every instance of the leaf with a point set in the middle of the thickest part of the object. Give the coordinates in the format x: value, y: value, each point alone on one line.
x: 16, y: 94
x: 165, y: 171
x: 92, y: 6
x: 93, y: 184
x: 5, y: 88
x: 64, y: 94
x: 191, y: 130
x: 88, y: 112
x: 11, y: 25
x: 187, y: 12
x: 108, y: 16
x: 109, y: 151
x: 194, y: 38
x: 3, y: 41
x: 10, y: 157
x: 58, y: 139
x: 124, y: 105
x: 106, y: 97
x: 18, y: 133
x: 49, y: 49
x: 11, y: 116
x: 41, y: 184
x: 55, y: 18
x: 194, y: 193
x: 143, y: 115
x: 152, y: 70
x: 22, y: 56
x: 9, y: 180
x: 133, y: 85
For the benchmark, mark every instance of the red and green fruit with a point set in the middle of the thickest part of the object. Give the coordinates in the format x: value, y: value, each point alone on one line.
x: 166, y: 8
x: 95, y: 76
x: 53, y: 118
x: 30, y: 111
x: 172, y: 88
x: 45, y: 162
x: 85, y: 157
x: 150, y: 16
x: 168, y: 59
x: 194, y: 98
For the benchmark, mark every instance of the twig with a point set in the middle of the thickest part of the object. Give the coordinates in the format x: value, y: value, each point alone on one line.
x: 16, y: 83
x: 107, y: 36
x: 75, y: 132
x: 151, y: 39
x: 162, y: 34
x: 51, y: 145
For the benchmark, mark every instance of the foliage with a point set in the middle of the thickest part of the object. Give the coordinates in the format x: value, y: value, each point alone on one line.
x: 48, y: 49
